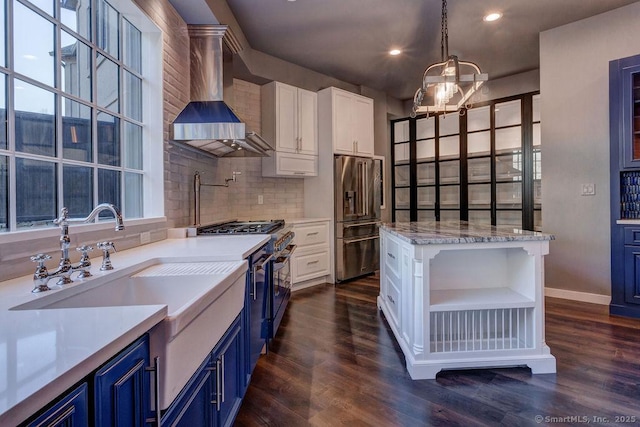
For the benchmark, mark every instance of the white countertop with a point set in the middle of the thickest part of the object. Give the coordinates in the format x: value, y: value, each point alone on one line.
x: 44, y: 352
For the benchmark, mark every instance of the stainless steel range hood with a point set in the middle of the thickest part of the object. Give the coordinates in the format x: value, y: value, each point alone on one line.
x: 207, y: 122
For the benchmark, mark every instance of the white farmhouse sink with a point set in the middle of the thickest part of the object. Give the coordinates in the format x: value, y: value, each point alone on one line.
x: 202, y: 299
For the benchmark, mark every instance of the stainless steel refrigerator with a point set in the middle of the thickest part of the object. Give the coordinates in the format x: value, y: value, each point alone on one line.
x: 357, y: 213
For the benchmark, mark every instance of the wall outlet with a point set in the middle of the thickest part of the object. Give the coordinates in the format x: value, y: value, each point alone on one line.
x: 145, y: 237
x: 588, y: 189
x: 260, y: 199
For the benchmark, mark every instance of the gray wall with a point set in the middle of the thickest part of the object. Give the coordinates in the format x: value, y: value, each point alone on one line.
x: 574, y: 84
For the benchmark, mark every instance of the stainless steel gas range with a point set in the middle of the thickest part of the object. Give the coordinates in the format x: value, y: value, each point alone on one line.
x: 272, y: 263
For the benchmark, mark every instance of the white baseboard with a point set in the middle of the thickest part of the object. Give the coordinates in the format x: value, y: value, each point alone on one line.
x: 577, y: 296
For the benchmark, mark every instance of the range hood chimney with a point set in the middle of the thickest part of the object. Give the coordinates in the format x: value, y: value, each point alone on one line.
x: 207, y: 122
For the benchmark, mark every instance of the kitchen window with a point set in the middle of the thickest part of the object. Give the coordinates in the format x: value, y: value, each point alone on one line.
x: 81, y: 124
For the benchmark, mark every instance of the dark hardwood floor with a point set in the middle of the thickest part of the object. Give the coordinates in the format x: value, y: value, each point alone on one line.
x: 335, y: 362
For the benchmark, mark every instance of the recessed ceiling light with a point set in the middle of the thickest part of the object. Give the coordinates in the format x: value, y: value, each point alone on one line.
x: 494, y: 16
x: 395, y: 52
x: 30, y: 57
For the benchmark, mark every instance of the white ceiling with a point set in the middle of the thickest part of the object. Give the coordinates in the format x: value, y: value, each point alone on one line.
x: 349, y: 39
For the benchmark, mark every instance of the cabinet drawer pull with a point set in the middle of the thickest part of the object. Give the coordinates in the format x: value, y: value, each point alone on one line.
x: 390, y: 298
x: 312, y: 234
x: 392, y: 256
x: 313, y: 262
x: 156, y: 395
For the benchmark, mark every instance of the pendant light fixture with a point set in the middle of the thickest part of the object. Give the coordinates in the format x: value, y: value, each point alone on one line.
x: 447, y: 86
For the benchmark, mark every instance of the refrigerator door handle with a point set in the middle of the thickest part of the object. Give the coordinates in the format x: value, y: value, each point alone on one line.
x: 360, y: 224
x: 346, y: 242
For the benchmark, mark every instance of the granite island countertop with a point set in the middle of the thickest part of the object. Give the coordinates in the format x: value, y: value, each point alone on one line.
x: 454, y: 232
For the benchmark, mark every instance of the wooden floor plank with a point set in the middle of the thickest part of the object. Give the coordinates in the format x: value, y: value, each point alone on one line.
x: 336, y: 362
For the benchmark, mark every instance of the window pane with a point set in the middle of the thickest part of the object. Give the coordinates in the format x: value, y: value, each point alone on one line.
x: 508, y: 113
x: 76, y: 14
x: 3, y: 56
x: 108, y: 84
x: 78, y: 190
x: 108, y: 139
x: 132, y: 96
x: 132, y: 46
x: 76, y: 67
x: 35, y: 119
x: 35, y: 192
x: 108, y: 189
x: 401, y: 131
x: 3, y: 111
x: 33, y: 58
x: 449, y: 124
x: 478, y: 118
x: 107, y: 28
x: 45, y: 5
x: 133, y: 146
x: 4, y: 193
x: 426, y: 127
x: 508, y: 139
x: 76, y: 131
x: 133, y: 195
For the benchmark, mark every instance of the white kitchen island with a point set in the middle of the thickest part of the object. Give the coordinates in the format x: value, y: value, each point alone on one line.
x: 461, y: 296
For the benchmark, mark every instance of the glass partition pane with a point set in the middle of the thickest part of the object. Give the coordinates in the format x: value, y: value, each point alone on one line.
x: 108, y: 84
x: 509, y: 195
x: 479, y: 170
x: 536, y: 108
x: 4, y: 193
x: 76, y: 131
x: 107, y: 28
x: 44, y: 5
x: 33, y: 59
x: 508, y: 113
x: 480, y: 217
x: 401, y: 131
x: 450, y: 197
x: 76, y: 14
x: 509, y: 167
x: 450, y: 147
x: 508, y: 139
x: 536, y: 134
x: 403, y: 216
x: 426, y: 173
x: 450, y: 172
x: 3, y: 29
x: 3, y: 111
x: 480, y: 196
x: 132, y: 47
x: 537, y: 220
x: 75, y: 67
x: 426, y: 215
x: 402, y: 175
x: 36, y: 186
x: 109, y: 190
x: 478, y: 118
x: 426, y: 149
x: 509, y: 218
x: 450, y: 215
x: 35, y: 119
x: 133, y: 195
x: 133, y: 146
x: 426, y: 197
x: 77, y: 182
x: 132, y: 96
x: 479, y: 144
x: 108, y: 139
x: 426, y: 128
x: 449, y: 124
x: 402, y: 198
x: 401, y: 154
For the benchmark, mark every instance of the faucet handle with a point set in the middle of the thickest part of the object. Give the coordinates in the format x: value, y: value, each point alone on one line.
x: 85, y: 261
x: 106, y: 260
x: 40, y: 259
x: 85, y: 249
x: 41, y: 275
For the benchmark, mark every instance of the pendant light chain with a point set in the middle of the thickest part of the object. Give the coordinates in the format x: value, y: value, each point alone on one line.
x: 444, y: 33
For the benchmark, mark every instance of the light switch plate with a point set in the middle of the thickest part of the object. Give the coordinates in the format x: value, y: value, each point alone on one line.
x: 260, y: 199
x: 588, y: 189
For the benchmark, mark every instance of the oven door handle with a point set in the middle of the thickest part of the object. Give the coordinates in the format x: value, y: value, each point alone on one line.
x: 361, y: 224
x: 346, y: 242
x: 283, y: 258
x: 257, y: 266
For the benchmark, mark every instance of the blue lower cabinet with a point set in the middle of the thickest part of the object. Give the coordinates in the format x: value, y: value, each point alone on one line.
x: 71, y: 411
x: 122, y: 388
x: 213, y: 395
x: 228, y: 358
x: 193, y: 407
x: 632, y: 274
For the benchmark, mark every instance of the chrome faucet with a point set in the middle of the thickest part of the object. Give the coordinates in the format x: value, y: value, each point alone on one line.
x: 63, y: 273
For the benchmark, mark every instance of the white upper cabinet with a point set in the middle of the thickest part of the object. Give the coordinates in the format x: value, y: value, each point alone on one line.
x: 290, y: 121
x: 348, y: 120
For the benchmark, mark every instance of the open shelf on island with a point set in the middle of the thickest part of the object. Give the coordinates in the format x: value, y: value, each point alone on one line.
x: 477, y: 299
